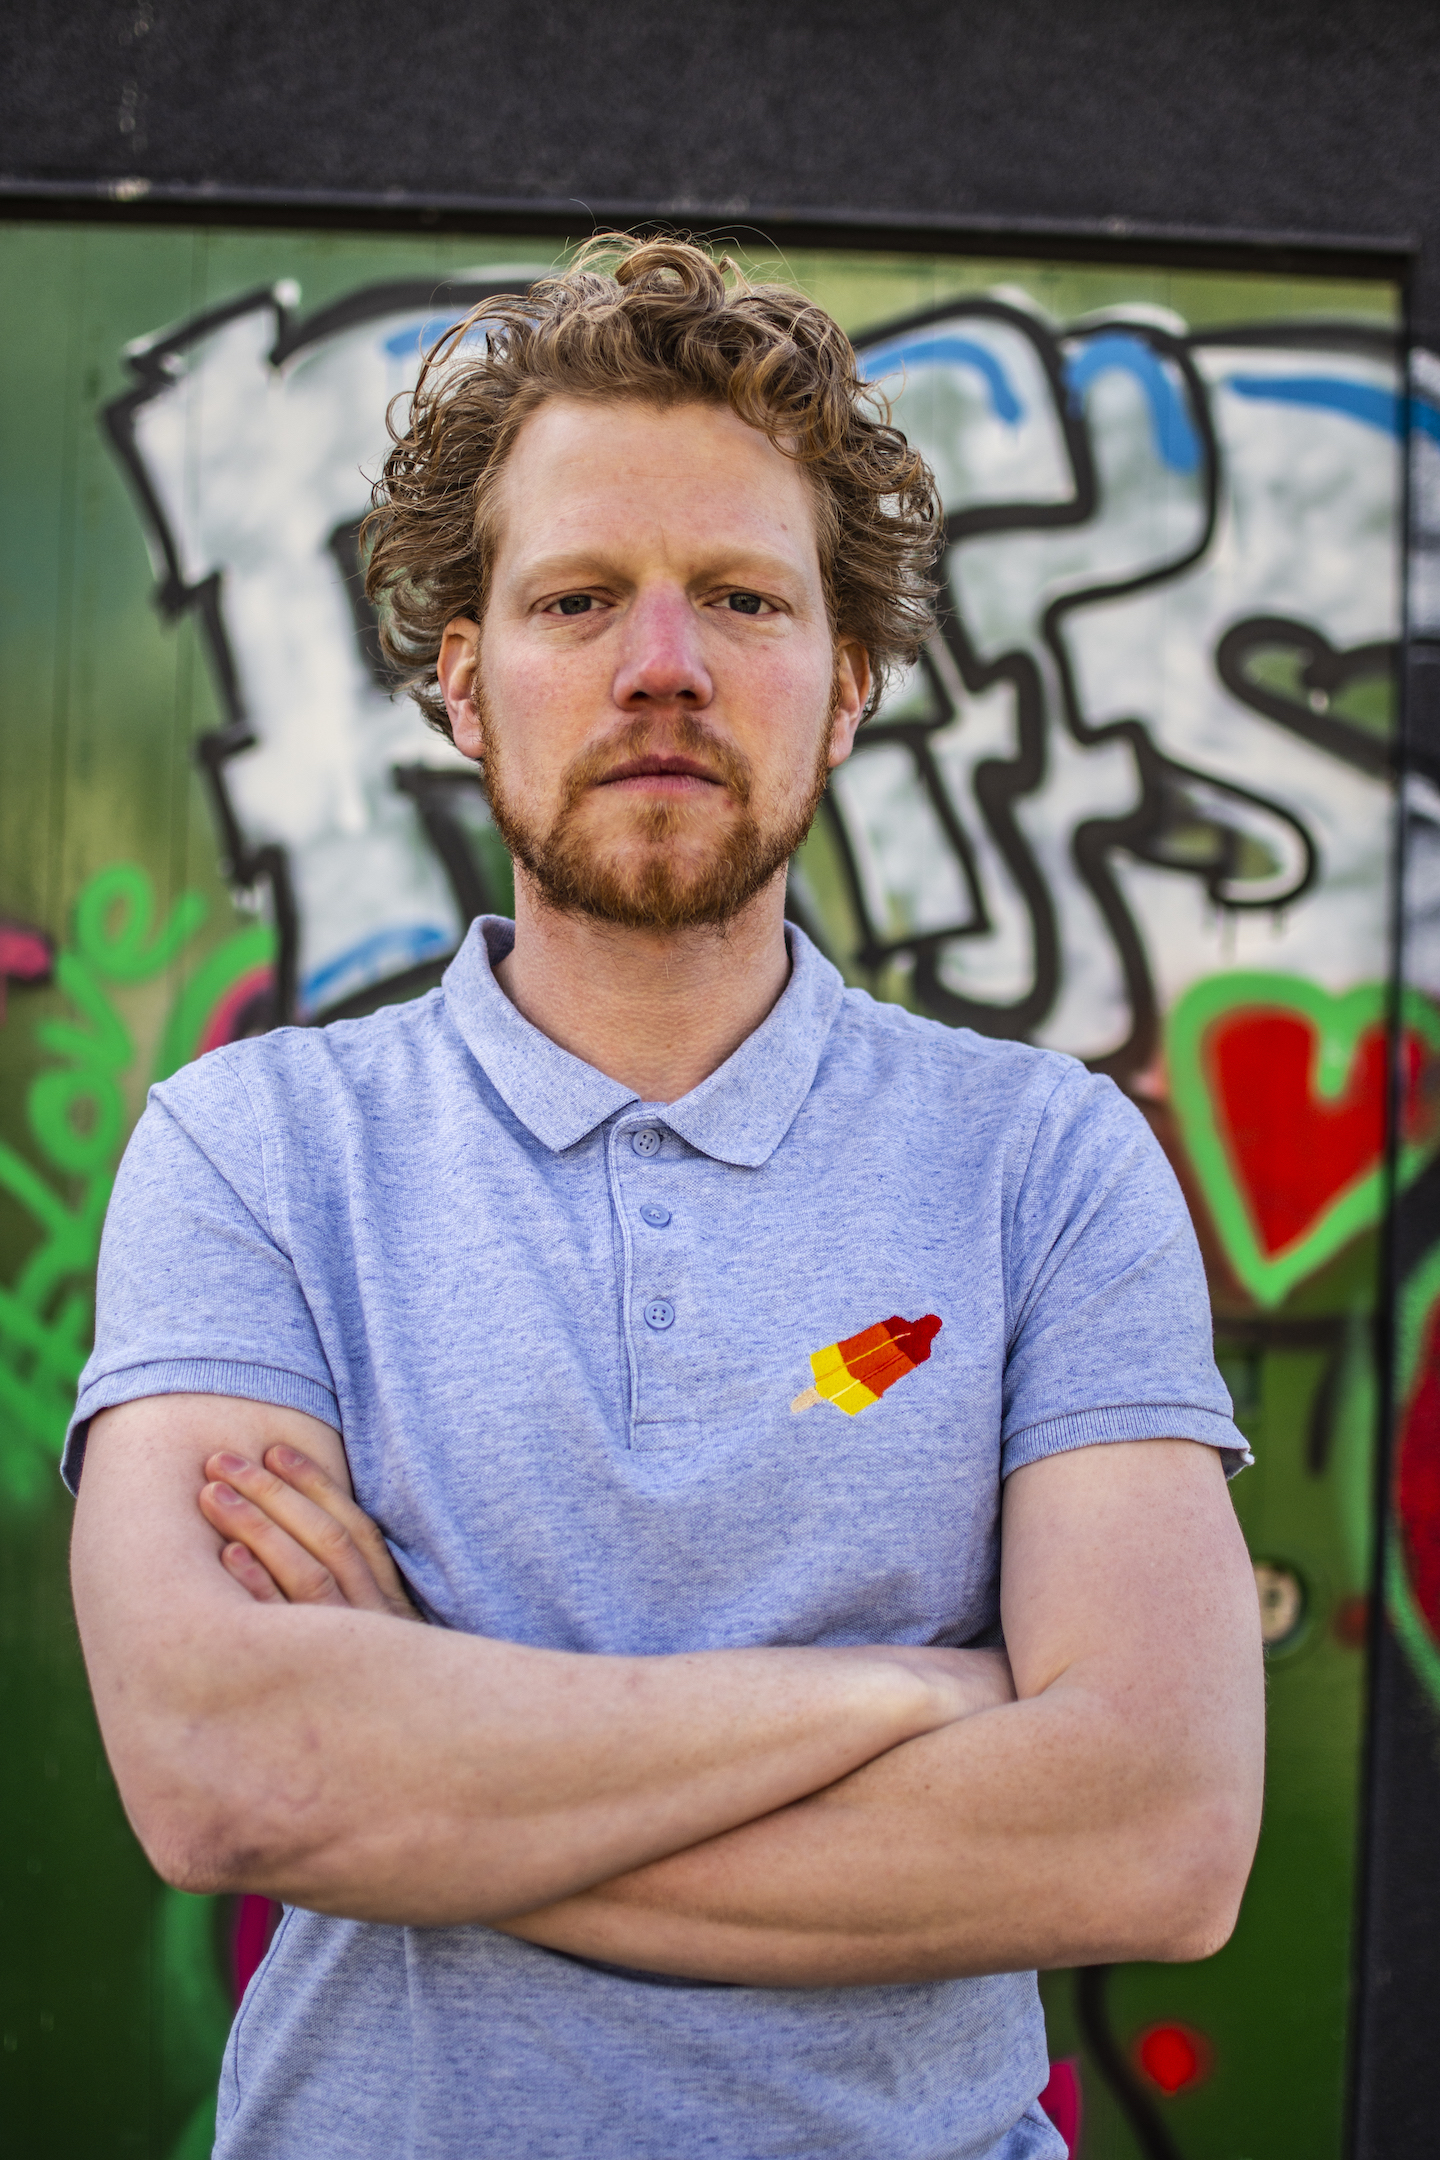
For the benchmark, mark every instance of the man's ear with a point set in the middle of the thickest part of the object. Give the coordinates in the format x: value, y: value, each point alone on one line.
x: 851, y: 695
x: 455, y: 671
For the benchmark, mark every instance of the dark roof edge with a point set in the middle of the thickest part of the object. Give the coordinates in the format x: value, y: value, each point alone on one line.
x: 165, y: 201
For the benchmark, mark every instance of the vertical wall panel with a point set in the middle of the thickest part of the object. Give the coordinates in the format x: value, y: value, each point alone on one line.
x: 1400, y: 1966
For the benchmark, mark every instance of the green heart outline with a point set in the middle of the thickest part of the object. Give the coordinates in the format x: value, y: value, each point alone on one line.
x: 1339, y: 1020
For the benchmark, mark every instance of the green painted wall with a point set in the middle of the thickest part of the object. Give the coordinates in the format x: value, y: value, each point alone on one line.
x: 116, y: 1990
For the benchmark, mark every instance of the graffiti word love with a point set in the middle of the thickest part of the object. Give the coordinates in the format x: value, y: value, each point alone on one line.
x: 76, y: 1115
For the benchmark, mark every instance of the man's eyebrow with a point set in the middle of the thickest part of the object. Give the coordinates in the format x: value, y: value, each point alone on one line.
x: 577, y: 563
x: 727, y: 566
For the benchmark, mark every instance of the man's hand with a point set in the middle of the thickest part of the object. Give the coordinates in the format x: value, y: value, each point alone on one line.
x: 293, y: 1536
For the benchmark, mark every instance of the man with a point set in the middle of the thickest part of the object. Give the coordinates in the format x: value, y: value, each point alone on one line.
x: 682, y: 1319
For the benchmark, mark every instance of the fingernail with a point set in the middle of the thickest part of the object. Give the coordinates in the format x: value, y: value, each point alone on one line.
x: 233, y: 1465
x: 289, y: 1458
x: 225, y: 1496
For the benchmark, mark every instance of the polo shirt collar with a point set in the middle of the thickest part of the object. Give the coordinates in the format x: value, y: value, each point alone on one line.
x: 738, y: 1115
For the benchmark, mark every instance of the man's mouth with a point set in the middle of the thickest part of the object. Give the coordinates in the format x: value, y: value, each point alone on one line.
x: 661, y: 774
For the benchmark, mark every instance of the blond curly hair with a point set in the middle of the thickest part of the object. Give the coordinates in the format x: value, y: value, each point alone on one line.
x: 665, y: 322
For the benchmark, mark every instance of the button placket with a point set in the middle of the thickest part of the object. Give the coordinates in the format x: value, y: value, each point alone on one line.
x: 641, y: 1156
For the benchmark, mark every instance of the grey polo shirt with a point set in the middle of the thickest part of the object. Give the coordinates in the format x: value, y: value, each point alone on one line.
x: 561, y: 1332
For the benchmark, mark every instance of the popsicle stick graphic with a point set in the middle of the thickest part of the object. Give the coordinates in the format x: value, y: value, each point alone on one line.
x: 856, y: 1372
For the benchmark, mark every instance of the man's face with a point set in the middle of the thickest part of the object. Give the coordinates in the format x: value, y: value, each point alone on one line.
x: 656, y: 691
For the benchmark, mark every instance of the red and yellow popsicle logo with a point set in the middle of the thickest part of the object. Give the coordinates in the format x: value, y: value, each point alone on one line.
x: 856, y: 1372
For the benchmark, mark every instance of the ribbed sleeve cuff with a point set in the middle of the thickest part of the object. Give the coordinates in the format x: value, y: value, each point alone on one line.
x: 192, y: 1376
x: 1128, y: 1421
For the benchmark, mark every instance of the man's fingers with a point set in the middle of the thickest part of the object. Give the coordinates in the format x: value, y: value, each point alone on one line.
x: 307, y: 1477
x: 295, y: 1571
x: 239, y: 1561
x: 313, y: 1557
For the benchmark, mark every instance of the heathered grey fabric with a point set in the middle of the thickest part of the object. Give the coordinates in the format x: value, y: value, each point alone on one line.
x: 425, y: 1228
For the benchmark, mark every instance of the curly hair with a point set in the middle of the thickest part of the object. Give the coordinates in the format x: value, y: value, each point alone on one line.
x: 664, y: 322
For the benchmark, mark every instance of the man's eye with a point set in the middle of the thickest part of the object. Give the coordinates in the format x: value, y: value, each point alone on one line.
x: 574, y: 603
x: 746, y: 603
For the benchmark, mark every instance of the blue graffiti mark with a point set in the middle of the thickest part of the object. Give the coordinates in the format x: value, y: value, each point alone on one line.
x: 419, y: 337
x: 1373, y: 407
x: 1176, y: 443
x: 386, y: 952
x: 939, y: 351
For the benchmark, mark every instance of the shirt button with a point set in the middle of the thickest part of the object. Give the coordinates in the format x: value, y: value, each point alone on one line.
x: 646, y: 1141
x: 659, y: 1313
x: 654, y: 1214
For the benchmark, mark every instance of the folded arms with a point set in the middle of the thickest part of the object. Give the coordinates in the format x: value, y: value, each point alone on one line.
x: 794, y: 1817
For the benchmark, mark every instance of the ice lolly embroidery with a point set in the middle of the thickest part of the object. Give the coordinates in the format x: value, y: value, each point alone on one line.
x: 855, y: 1373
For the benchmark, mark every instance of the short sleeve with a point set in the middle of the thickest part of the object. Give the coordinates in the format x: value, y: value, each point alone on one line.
x: 196, y: 1293
x: 1109, y: 1311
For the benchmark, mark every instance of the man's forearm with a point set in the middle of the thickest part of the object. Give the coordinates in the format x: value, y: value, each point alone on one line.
x: 415, y: 1776
x: 1045, y: 1833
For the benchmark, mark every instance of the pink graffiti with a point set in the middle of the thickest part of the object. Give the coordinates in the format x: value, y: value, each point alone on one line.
x: 1061, y: 2102
x: 26, y: 955
x: 225, y: 1022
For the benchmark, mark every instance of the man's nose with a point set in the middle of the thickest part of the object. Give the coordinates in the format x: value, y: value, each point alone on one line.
x: 661, y: 655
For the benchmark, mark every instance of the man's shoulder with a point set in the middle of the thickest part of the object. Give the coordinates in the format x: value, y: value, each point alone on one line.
x: 307, y: 1068
x: 967, y: 1098
x: 931, y: 1055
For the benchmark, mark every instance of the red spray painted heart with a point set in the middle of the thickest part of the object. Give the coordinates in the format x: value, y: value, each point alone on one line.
x: 1281, y: 1090
x: 1292, y: 1152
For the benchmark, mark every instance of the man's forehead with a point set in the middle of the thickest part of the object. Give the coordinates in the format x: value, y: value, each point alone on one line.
x: 578, y: 461
x: 664, y: 424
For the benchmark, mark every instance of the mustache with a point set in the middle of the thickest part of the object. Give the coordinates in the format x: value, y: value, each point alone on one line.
x: 683, y: 736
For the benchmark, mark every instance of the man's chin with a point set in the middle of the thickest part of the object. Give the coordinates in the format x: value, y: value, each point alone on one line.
x: 659, y: 896
x: 680, y: 866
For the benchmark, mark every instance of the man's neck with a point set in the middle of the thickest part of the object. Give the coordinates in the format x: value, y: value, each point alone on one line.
x: 656, y: 1010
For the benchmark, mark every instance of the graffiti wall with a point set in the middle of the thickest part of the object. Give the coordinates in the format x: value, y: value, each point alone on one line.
x: 1137, y: 802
